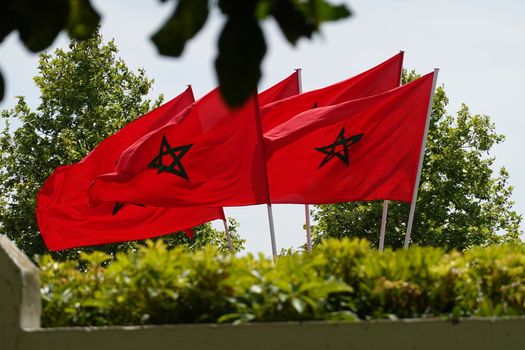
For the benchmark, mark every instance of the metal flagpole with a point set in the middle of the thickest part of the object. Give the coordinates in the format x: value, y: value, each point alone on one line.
x: 385, y: 202
x: 272, y: 230
x: 383, y: 226
x: 420, y: 165
x: 306, y: 206
x: 268, y: 205
x: 308, y: 231
x: 228, y: 236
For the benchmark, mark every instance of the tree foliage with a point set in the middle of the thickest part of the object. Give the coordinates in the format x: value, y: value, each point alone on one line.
x: 87, y: 94
x: 461, y: 201
x: 241, y: 44
x: 206, y: 235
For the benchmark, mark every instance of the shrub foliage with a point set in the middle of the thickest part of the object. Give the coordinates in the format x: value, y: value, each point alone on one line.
x: 340, y: 280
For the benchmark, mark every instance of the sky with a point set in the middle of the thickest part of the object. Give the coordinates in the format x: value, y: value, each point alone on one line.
x: 478, y: 45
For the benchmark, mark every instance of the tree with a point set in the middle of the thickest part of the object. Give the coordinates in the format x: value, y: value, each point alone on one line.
x: 86, y: 95
x: 241, y: 43
x: 207, y: 235
x: 461, y: 201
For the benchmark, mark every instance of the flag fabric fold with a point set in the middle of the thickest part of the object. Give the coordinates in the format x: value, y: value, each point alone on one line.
x: 363, y: 149
x: 65, y: 218
x: 208, y: 155
x: 283, y: 89
x: 381, y: 78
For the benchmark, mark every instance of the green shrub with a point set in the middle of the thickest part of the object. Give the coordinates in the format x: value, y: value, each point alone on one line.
x: 340, y: 280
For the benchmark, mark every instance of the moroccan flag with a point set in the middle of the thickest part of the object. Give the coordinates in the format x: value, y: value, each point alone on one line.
x: 363, y: 149
x: 65, y: 218
x: 207, y: 155
x: 283, y: 89
x: 374, y: 81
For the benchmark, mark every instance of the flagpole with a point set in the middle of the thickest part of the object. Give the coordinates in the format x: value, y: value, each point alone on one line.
x: 383, y: 226
x: 420, y: 165
x: 306, y: 206
x: 308, y: 230
x: 385, y: 202
x: 228, y: 236
x: 272, y: 230
x: 268, y: 205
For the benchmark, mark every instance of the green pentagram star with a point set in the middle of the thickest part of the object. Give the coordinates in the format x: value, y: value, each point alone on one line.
x: 339, y: 148
x: 176, y: 154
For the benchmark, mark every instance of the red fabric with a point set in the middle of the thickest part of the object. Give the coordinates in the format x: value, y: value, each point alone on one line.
x: 66, y: 220
x: 377, y: 80
x: 189, y: 231
x: 383, y: 134
x: 216, y: 159
x: 283, y: 89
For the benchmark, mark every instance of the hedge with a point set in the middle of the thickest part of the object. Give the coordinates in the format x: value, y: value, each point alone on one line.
x: 339, y: 280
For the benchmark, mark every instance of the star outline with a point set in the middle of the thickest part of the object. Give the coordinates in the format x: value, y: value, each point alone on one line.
x: 176, y: 154
x: 340, y: 140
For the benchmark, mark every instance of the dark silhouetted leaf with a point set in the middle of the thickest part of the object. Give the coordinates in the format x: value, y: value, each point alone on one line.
x: 238, y: 8
x: 293, y: 23
x: 83, y: 19
x: 7, y: 18
x: 241, y: 50
x: 1, y: 87
x: 189, y: 17
x: 40, y: 21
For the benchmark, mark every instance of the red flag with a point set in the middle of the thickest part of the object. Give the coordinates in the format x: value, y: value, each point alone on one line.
x: 374, y: 81
x: 207, y: 155
x: 363, y: 149
x: 283, y: 89
x: 66, y: 220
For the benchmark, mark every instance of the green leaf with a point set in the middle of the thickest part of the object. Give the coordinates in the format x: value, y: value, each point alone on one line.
x: 238, y: 64
x: 257, y: 289
x: 263, y: 9
x: 83, y: 19
x: 235, y: 318
x: 347, y: 316
x: 298, y: 305
x: 187, y: 20
x: 323, y: 11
